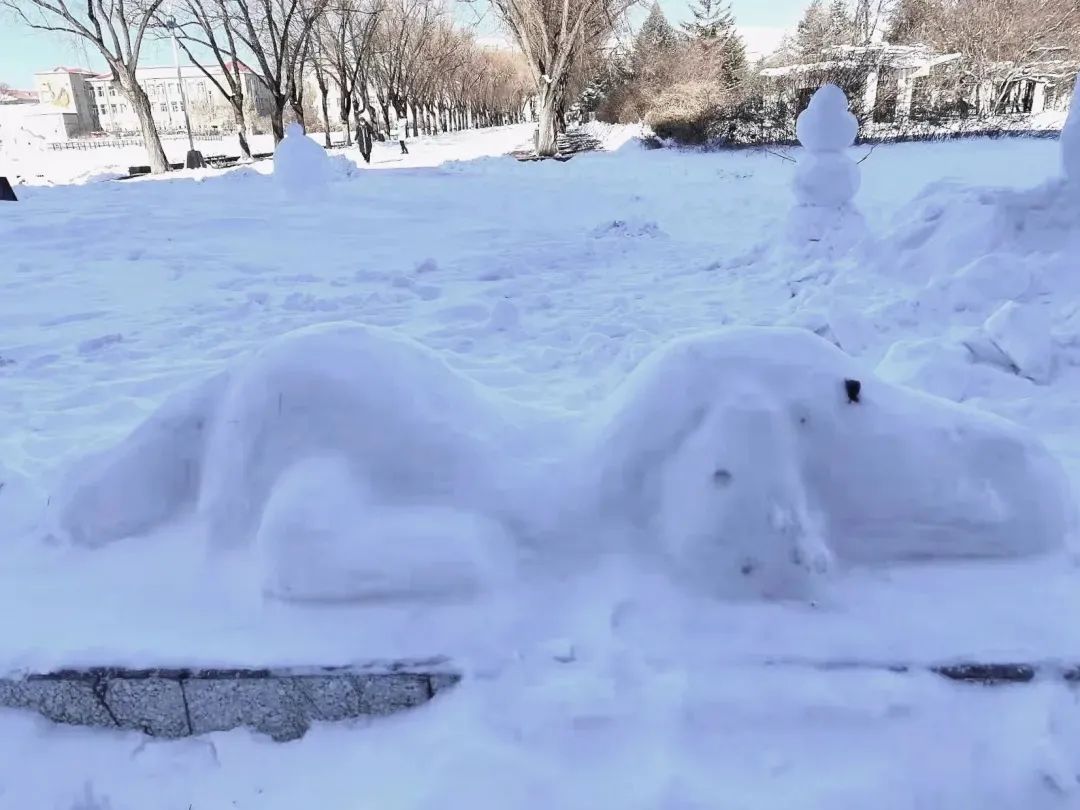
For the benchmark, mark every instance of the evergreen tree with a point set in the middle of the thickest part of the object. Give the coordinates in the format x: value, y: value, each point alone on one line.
x: 713, y: 19
x: 822, y: 29
x: 654, y: 42
x: 713, y: 27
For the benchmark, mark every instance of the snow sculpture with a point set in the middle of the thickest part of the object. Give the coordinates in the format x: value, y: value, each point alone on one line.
x: 1070, y: 139
x: 826, y: 178
x: 301, y: 166
x: 357, y: 465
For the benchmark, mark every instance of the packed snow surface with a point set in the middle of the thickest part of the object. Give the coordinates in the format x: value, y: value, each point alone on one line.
x: 555, y: 313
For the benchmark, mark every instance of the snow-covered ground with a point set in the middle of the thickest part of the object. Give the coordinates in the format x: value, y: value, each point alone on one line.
x: 31, y: 163
x: 602, y: 683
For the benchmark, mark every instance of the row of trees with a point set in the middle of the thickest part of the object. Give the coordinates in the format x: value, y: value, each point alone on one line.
x: 696, y: 85
x: 380, y: 56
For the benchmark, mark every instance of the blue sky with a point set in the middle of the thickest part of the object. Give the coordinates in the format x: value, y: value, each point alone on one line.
x: 24, y: 52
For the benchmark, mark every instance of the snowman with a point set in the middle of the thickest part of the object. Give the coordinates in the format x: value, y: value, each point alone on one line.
x: 826, y: 178
x: 301, y: 166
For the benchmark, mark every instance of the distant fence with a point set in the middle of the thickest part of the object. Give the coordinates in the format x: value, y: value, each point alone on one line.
x: 82, y: 144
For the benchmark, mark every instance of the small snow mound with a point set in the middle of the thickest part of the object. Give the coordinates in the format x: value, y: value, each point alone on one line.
x: 613, y: 137
x: 21, y: 505
x: 985, y: 282
x: 629, y: 228
x: 1022, y: 333
x: 1070, y: 141
x: 343, y: 167
x: 504, y: 316
x: 301, y: 166
x: 949, y: 226
x: 955, y: 370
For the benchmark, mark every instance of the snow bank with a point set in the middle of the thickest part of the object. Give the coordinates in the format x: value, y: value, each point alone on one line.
x: 614, y: 137
x: 21, y: 505
x: 359, y: 466
x: 301, y: 167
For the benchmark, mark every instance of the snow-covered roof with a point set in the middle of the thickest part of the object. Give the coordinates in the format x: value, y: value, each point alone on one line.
x: 73, y: 70
x: 883, y: 54
x: 13, y: 96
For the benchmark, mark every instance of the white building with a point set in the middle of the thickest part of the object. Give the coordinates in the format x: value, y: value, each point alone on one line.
x: 209, y: 109
x: 65, y: 108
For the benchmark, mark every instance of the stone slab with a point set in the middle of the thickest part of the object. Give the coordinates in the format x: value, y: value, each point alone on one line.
x: 181, y: 702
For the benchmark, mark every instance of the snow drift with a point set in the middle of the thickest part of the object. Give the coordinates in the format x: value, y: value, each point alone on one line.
x: 358, y: 464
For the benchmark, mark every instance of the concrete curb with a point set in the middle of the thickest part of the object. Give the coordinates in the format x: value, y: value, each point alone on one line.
x: 172, y: 703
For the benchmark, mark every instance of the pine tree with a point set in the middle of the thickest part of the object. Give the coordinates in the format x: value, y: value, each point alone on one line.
x: 713, y: 27
x: 713, y: 19
x: 655, y: 41
x: 821, y: 29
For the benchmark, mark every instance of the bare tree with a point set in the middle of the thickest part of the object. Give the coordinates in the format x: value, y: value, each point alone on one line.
x: 345, y: 35
x: 403, y: 28
x: 117, y: 29
x: 277, y: 33
x: 1001, y: 41
x: 207, y: 23
x: 552, y: 34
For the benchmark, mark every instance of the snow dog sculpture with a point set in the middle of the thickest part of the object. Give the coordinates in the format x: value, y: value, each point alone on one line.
x: 357, y: 463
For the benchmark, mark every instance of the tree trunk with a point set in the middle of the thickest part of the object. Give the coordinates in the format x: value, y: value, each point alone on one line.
x: 241, y: 126
x: 326, y: 119
x: 277, y: 122
x: 546, y: 145
x: 141, y: 104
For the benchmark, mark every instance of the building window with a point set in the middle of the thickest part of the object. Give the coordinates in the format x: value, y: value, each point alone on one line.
x: 101, y: 92
x: 112, y: 92
x: 113, y: 106
x: 164, y: 107
x: 175, y: 107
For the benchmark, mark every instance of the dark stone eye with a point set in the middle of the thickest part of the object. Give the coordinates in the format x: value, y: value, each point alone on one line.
x: 722, y: 478
x: 853, y: 389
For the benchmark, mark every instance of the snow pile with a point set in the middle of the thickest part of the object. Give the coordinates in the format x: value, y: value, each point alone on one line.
x: 21, y: 506
x: 343, y: 167
x: 1070, y: 140
x: 301, y: 166
x: 614, y: 137
x: 360, y: 466
x: 1021, y: 333
x: 1002, y: 262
